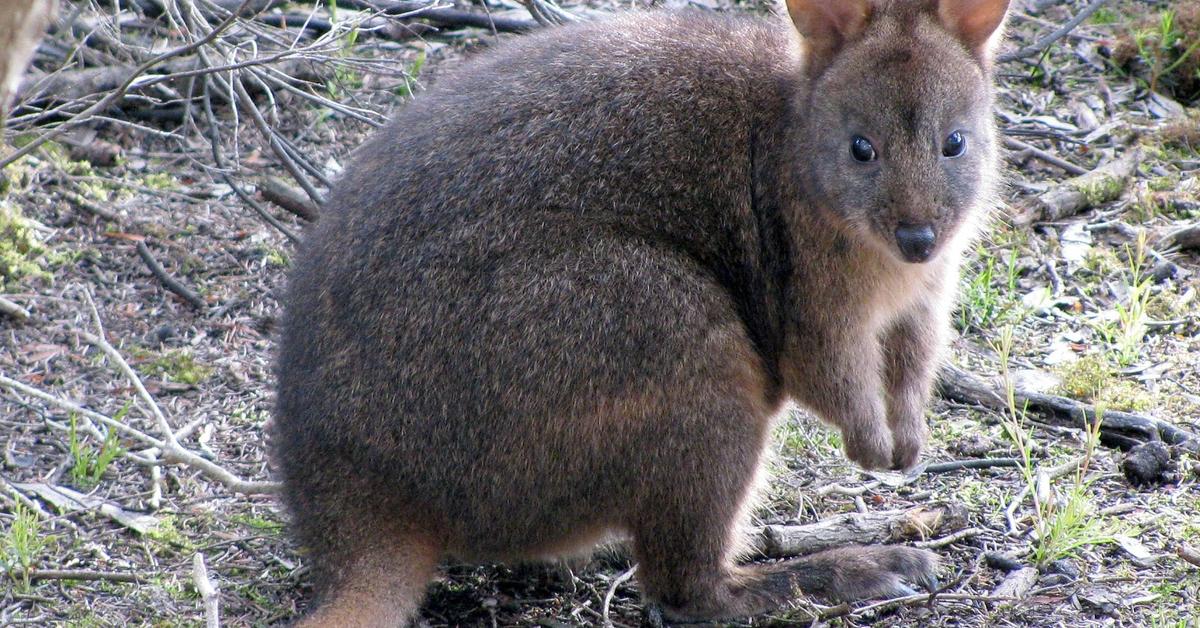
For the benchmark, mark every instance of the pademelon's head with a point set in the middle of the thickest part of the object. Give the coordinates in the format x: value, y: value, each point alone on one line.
x: 896, y: 123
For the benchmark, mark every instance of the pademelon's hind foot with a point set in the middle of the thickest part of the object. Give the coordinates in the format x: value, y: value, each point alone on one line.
x: 848, y: 574
x: 842, y: 575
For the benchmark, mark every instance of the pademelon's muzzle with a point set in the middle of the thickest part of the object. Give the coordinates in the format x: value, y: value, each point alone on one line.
x: 916, y: 242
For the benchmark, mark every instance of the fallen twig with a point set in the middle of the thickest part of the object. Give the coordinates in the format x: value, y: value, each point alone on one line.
x: 170, y: 447
x: 173, y: 452
x: 1104, y: 184
x: 612, y: 591
x: 1034, y: 151
x: 167, y: 280
x: 1184, y: 238
x: 846, y: 610
x: 208, y: 592
x: 13, y: 310
x: 1117, y: 428
x: 1037, y: 47
x: 275, y: 190
x: 1188, y: 554
x: 975, y: 463
x: 951, y: 538
x: 110, y: 98
x: 445, y: 16
x: 780, y: 541
x: 1016, y: 585
x: 79, y: 574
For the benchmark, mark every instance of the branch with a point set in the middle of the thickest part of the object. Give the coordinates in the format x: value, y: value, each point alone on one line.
x: 1117, y: 428
x: 116, y: 94
x: 167, y: 280
x: 1105, y: 183
x: 1044, y: 43
x: 781, y: 541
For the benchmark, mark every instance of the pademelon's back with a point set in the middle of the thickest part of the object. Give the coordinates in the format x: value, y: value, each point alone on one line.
x: 638, y: 125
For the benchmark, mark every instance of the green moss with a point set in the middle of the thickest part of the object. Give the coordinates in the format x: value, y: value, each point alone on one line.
x: 1165, y: 183
x: 1091, y: 378
x: 1104, y: 16
x: 167, y: 532
x: 1084, y: 378
x: 1125, y: 395
x: 278, y: 259
x: 1102, y: 261
x: 177, y: 366
x: 245, y: 415
x: 1101, y: 189
x: 21, y: 252
x: 159, y: 181
x: 257, y: 522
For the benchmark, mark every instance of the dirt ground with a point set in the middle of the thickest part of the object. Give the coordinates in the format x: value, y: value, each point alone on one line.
x: 1098, y: 305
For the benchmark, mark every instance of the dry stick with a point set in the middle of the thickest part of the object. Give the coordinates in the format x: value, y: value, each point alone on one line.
x: 113, y: 96
x: 780, y: 541
x: 208, y: 592
x: 80, y: 574
x: 1037, y: 47
x: 214, y: 140
x: 13, y: 310
x: 975, y: 463
x: 90, y: 206
x: 269, y: 75
x: 1017, y: 584
x: 1188, y: 553
x: 1183, y: 238
x: 296, y: 154
x: 951, y: 538
x: 1101, y: 185
x: 1118, y: 428
x: 845, y: 610
x: 71, y: 406
x: 276, y: 146
x: 172, y: 450
x: 170, y: 282
x: 33, y: 506
x: 443, y: 16
x: 275, y: 190
x: 612, y: 591
x: 1054, y: 473
x: 1022, y: 147
x: 175, y: 453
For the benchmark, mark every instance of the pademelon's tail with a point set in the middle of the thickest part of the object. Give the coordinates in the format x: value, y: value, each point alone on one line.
x: 380, y: 582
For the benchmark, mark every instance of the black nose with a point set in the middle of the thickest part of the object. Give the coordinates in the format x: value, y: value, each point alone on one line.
x: 915, y: 241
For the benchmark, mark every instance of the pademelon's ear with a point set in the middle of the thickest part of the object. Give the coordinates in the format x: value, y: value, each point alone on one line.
x: 826, y: 26
x: 976, y: 23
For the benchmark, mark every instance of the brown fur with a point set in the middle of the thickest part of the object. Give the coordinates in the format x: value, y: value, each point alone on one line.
x: 565, y: 292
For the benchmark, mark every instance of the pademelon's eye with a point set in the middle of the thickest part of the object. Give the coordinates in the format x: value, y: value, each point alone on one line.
x: 955, y: 145
x: 861, y: 149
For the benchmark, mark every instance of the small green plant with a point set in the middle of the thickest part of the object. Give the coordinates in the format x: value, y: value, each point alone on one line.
x: 1061, y: 526
x: 405, y: 89
x: 88, y: 464
x: 1070, y: 523
x: 796, y: 435
x: 1132, y: 315
x: 21, y: 544
x: 167, y: 532
x: 987, y: 296
x: 1164, y: 52
x: 1104, y: 16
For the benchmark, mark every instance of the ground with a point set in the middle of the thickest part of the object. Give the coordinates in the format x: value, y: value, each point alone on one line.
x: 1096, y: 306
